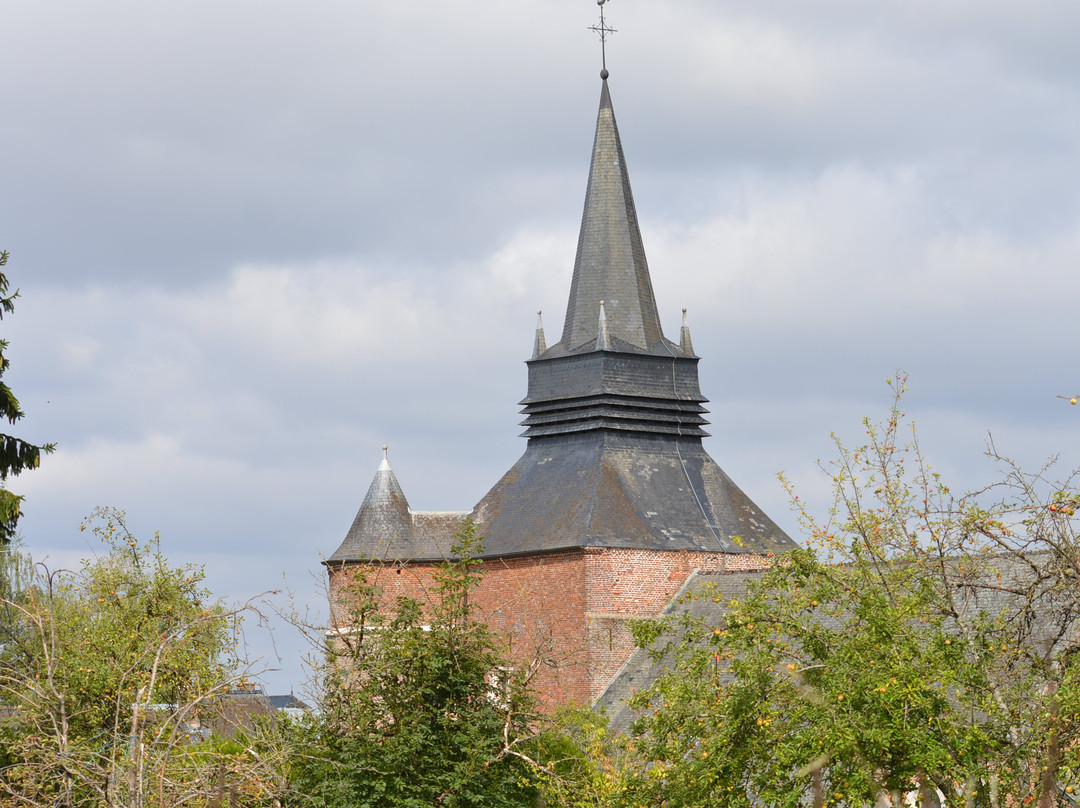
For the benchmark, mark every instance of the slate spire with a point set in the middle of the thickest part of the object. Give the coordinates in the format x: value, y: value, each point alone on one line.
x: 613, y: 414
x: 610, y: 263
x: 613, y: 369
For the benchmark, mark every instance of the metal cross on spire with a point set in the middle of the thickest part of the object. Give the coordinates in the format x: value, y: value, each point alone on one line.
x: 603, y: 30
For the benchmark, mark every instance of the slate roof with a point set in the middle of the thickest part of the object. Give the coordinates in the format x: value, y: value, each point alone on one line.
x: 999, y: 587
x: 612, y: 489
x: 386, y: 529
x: 640, y: 671
x: 614, y: 416
x: 287, y: 701
x: 614, y: 411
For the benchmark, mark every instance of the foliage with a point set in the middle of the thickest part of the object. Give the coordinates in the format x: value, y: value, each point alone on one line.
x: 16, y: 455
x: 420, y: 707
x: 921, y: 641
x: 582, y: 763
x: 103, y: 674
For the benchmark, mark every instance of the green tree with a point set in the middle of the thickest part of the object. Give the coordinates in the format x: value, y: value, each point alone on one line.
x: 102, y: 675
x: 16, y: 454
x: 420, y: 707
x: 820, y: 677
x: 923, y: 641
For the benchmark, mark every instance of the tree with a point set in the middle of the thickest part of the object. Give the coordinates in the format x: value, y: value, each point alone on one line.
x: 16, y: 454
x: 820, y: 678
x: 923, y: 642
x: 103, y: 674
x: 419, y: 708
x: 582, y: 763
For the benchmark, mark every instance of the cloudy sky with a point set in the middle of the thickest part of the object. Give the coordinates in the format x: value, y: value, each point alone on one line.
x: 256, y: 240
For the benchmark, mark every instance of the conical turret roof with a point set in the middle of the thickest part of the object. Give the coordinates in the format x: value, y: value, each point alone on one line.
x: 610, y: 265
x: 383, y: 527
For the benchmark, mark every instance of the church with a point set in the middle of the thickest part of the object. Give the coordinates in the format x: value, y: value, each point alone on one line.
x: 615, y: 504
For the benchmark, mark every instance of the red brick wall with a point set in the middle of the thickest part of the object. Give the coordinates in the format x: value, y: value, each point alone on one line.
x: 568, y: 609
x: 624, y: 583
x: 536, y: 605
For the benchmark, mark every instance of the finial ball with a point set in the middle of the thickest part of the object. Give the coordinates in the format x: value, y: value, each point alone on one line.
x: 604, y: 74
x: 600, y: 2
x: 385, y: 447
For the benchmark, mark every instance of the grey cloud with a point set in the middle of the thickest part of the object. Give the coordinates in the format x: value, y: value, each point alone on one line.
x: 257, y: 240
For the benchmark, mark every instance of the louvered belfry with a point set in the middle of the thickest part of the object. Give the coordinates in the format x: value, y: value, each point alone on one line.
x: 614, y: 412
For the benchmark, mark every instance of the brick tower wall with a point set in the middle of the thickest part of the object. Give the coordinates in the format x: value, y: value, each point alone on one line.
x: 569, y: 608
x: 625, y: 584
x: 535, y: 604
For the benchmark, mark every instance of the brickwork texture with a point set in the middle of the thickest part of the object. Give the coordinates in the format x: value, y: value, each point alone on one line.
x: 567, y: 611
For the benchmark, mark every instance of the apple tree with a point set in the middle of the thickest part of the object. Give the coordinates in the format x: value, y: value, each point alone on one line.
x: 922, y: 641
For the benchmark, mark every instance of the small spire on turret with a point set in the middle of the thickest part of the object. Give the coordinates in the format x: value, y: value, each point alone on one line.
x: 684, y: 336
x: 539, y: 344
x: 603, y: 343
x: 385, y: 464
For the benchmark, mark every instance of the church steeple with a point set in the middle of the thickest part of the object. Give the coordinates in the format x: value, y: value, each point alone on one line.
x: 613, y: 370
x: 615, y: 499
x: 610, y: 263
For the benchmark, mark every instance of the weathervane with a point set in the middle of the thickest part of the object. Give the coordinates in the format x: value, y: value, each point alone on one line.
x: 603, y: 30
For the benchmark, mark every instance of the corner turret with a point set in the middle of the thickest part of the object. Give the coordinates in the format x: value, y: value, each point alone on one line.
x: 383, y: 527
